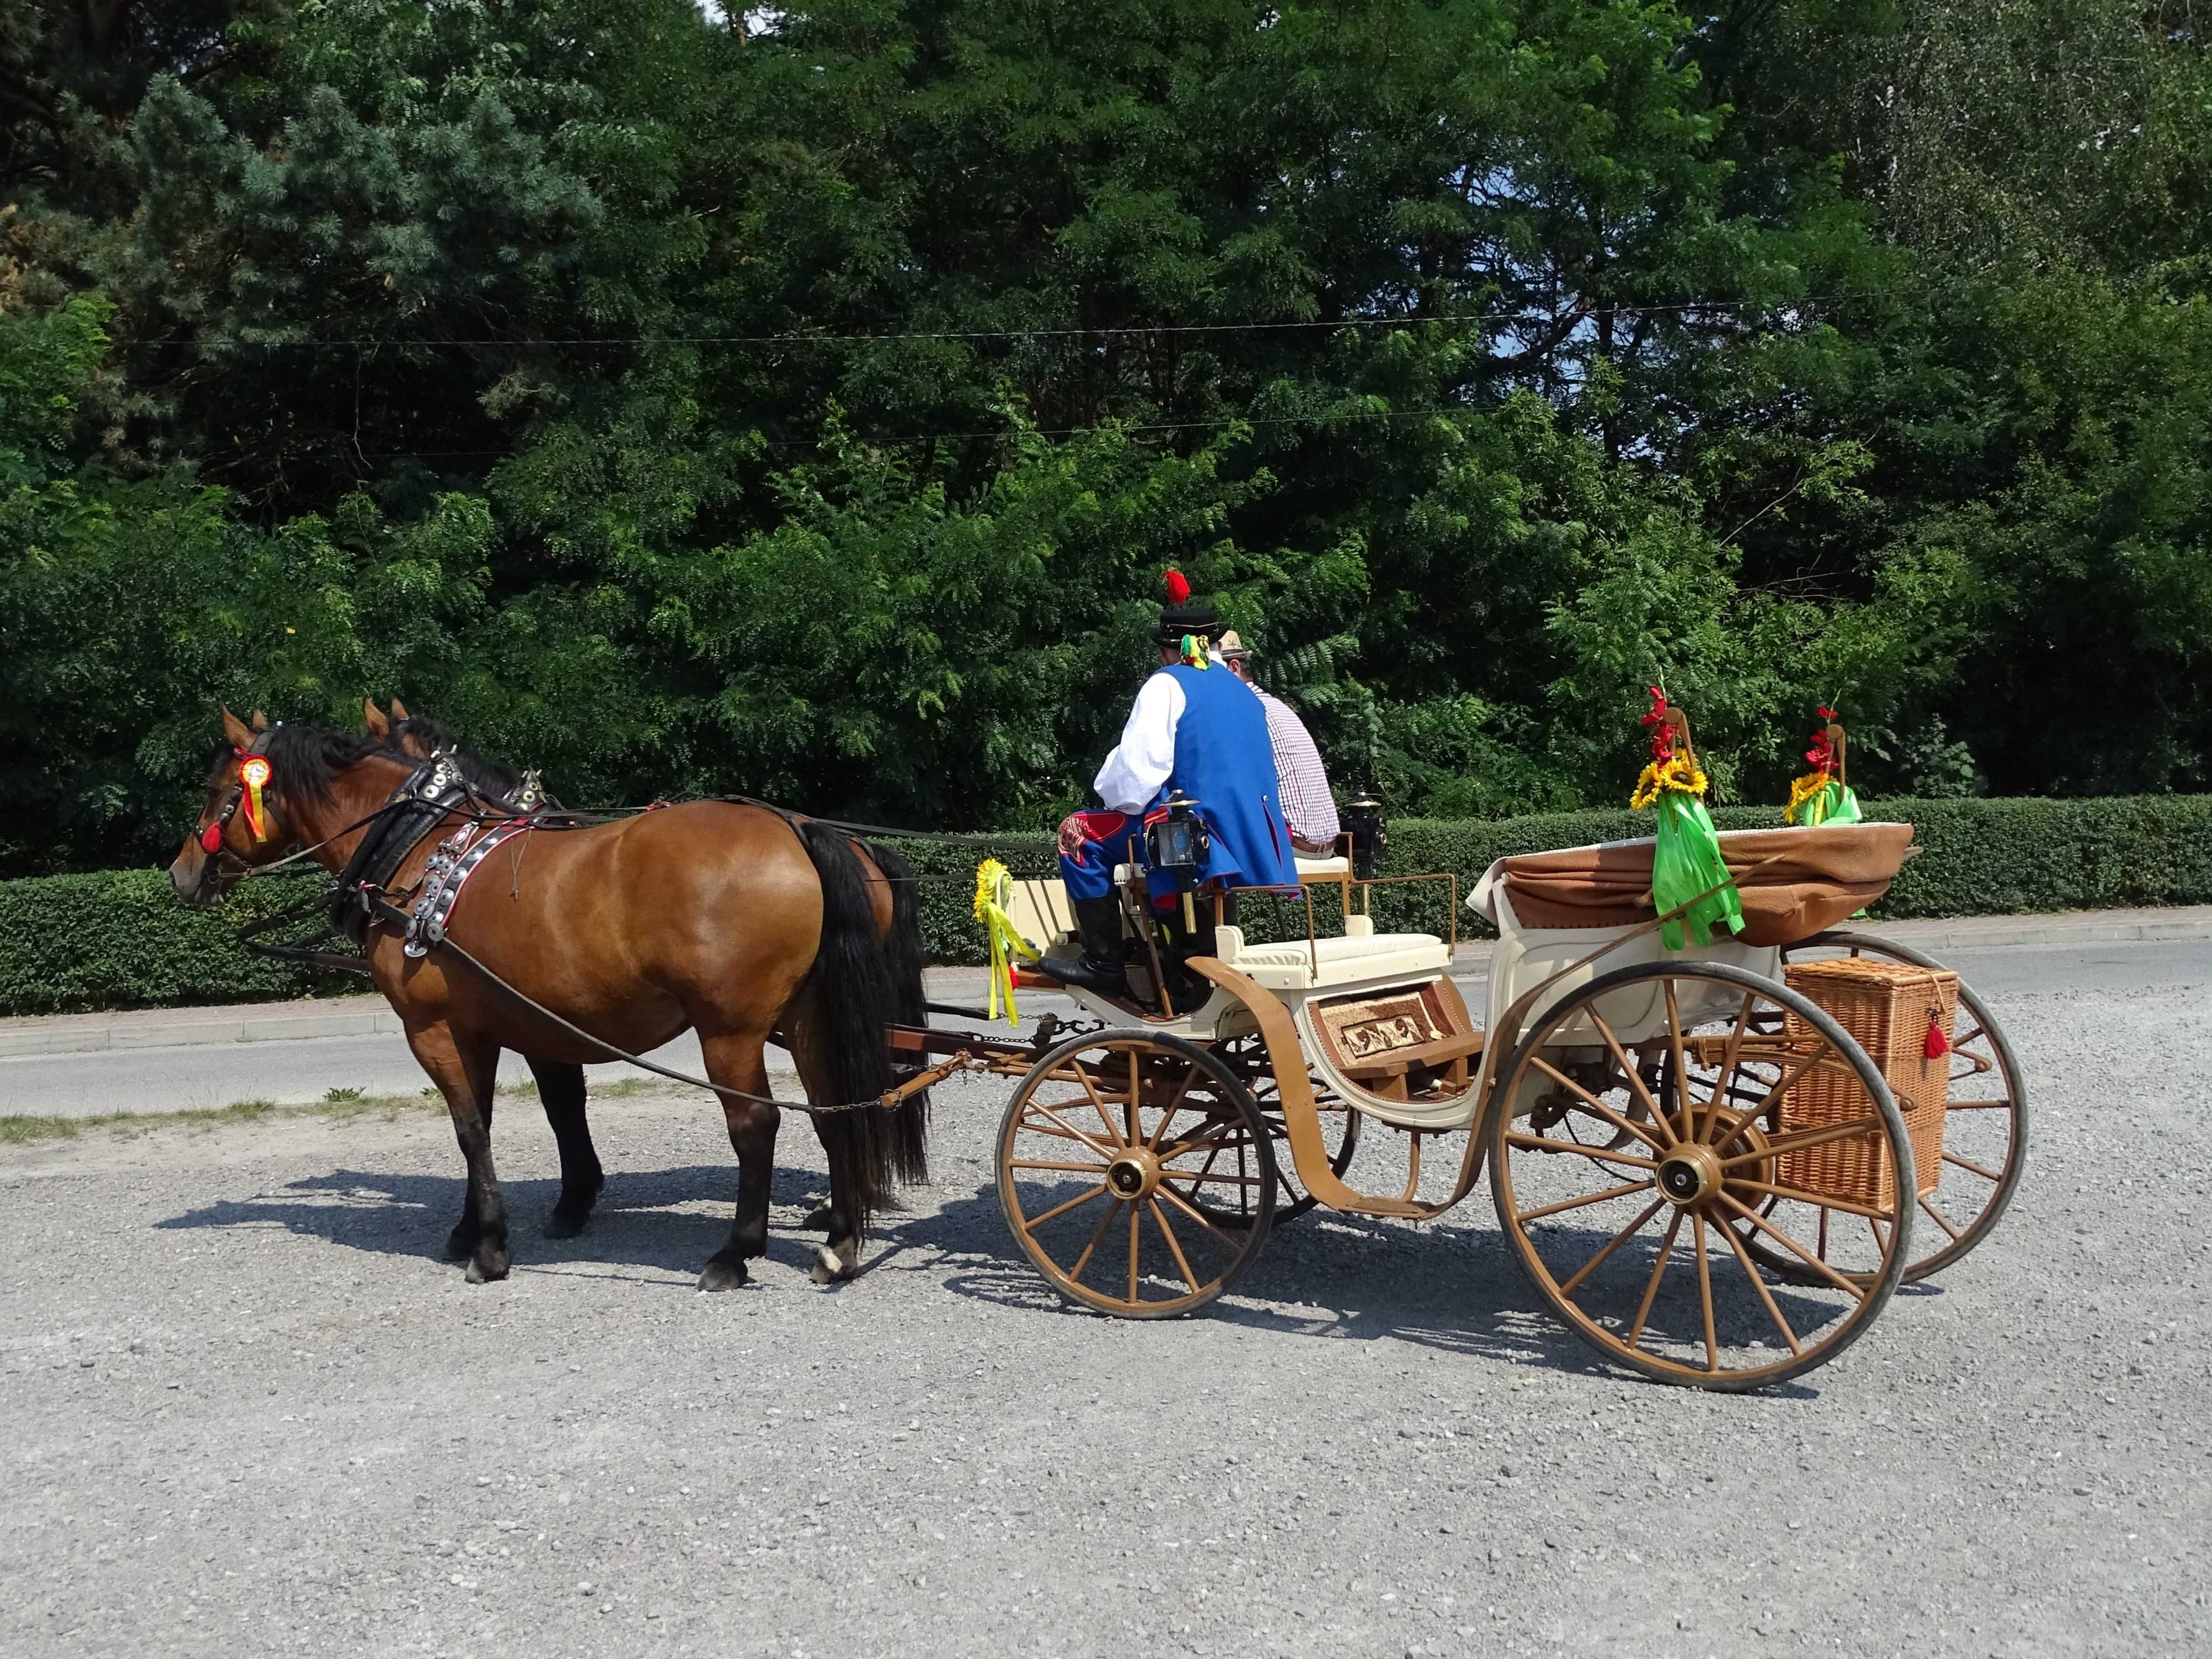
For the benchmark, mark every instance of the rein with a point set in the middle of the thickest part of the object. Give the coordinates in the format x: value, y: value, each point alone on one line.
x: 384, y: 911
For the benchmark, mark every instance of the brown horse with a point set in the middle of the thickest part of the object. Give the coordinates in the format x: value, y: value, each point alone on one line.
x: 732, y: 920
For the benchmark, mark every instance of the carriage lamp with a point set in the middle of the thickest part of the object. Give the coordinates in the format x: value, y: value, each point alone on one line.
x: 1363, y: 818
x: 1176, y: 846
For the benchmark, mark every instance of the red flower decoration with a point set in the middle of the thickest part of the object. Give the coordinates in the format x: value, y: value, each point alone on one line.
x: 1663, y: 740
x: 1178, y: 588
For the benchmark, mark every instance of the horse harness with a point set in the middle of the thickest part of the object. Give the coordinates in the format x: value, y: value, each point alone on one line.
x: 430, y: 794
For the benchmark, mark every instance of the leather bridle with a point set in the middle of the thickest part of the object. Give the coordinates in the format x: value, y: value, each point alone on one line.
x: 213, y: 838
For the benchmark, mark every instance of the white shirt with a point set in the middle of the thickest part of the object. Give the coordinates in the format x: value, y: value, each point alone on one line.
x: 1140, y: 762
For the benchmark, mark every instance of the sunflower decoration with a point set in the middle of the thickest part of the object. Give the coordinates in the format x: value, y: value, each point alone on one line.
x: 1671, y: 768
x: 1821, y: 795
x: 1687, y: 867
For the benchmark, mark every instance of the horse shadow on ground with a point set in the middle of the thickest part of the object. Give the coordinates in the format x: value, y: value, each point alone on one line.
x: 646, y: 1223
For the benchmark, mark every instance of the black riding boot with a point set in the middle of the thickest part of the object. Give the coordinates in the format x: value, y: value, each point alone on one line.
x: 1099, y: 968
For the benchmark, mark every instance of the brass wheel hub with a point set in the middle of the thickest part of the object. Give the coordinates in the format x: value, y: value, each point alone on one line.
x: 1132, y: 1176
x: 1690, y: 1174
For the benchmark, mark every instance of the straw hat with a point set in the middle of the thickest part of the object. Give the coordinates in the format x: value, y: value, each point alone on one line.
x: 1231, y: 644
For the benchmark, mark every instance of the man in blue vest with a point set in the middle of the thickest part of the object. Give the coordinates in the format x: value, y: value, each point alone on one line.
x: 1197, y: 730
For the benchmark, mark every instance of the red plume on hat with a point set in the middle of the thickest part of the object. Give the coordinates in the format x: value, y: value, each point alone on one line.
x: 1178, y: 588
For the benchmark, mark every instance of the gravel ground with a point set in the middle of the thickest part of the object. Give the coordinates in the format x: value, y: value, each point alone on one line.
x: 247, y: 1410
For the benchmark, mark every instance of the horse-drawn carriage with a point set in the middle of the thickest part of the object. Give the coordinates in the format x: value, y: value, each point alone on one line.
x: 1709, y: 1160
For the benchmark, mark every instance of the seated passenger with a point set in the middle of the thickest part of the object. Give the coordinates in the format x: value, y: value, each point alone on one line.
x: 1301, y: 781
x: 1197, y: 729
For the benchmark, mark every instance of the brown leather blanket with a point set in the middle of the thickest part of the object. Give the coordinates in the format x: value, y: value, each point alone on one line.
x: 1821, y: 876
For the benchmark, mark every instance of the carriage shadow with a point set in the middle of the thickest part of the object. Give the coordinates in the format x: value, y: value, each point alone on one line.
x: 1322, y: 1278
x: 651, y: 1222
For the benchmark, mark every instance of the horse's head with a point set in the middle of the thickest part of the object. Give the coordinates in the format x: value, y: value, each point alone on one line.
x: 239, y: 825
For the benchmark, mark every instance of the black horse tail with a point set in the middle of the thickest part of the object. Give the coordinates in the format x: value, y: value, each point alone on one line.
x: 858, y: 995
x: 902, y: 947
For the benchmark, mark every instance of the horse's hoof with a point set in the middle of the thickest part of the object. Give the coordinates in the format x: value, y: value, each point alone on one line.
x: 489, y: 1263
x: 833, y: 1263
x: 566, y: 1223
x: 461, y: 1242
x: 720, y: 1275
x: 819, y: 1216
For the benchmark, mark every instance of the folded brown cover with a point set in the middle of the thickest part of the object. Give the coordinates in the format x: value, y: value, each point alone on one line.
x: 1820, y: 877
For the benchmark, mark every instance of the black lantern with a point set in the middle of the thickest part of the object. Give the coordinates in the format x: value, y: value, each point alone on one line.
x: 1177, y: 845
x: 1363, y: 818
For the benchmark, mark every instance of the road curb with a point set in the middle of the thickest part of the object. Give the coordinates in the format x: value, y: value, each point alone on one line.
x: 295, y: 1022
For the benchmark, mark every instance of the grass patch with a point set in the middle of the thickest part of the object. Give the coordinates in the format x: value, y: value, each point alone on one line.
x: 337, y: 1106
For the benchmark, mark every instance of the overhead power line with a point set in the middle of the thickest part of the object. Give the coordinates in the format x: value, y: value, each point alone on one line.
x: 1499, y: 319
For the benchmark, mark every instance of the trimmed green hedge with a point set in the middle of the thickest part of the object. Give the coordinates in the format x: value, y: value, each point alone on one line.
x: 120, y: 939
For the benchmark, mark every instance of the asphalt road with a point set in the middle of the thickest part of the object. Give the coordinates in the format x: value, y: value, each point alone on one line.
x: 188, y: 1077
x: 245, y: 1410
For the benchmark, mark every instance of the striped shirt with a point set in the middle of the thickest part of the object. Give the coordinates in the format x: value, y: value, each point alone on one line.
x: 1301, y: 784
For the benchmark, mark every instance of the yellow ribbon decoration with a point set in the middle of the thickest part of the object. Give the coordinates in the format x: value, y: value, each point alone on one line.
x: 253, y: 772
x: 995, y: 891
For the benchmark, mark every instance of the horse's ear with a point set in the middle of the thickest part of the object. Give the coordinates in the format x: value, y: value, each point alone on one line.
x: 400, y: 710
x: 260, y: 720
x: 240, y: 734
x: 378, y: 727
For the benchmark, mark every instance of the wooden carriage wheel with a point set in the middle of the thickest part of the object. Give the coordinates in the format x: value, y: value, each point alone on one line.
x: 1985, y: 1122
x: 1113, y: 1176
x: 1626, y: 1174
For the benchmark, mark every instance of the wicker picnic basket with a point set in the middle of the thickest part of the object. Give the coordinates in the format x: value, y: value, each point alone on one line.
x: 1887, y: 1008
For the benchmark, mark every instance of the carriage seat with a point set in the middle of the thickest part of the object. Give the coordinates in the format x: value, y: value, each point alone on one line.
x: 1361, y: 954
x: 1041, y: 913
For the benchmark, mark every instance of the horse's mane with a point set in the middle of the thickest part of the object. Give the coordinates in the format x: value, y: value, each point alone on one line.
x: 494, y: 778
x: 309, y: 758
x: 306, y: 758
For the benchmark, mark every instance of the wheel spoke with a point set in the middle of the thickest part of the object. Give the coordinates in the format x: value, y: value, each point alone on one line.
x: 1681, y: 1061
x: 1043, y: 1163
x: 1075, y: 1273
x: 1200, y: 1178
x: 1136, y: 1134
x: 1174, y: 1105
x: 1802, y: 1196
x: 1175, y: 1245
x: 1577, y: 1203
x: 1619, y: 1239
x: 1035, y: 1222
x: 1806, y: 1141
x: 1790, y: 1073
x: 1628, y: 1070
x: 2003, y: 1105
x: 1730, y: 1058
x: 1544, y: 1144
x: 1199, y: 1216
x: 1751, y: 1271
x: 1938, y: 1217
x: 1968, y: 1164
x: 1658, y: 1270
x: 1105, y: 1152
x: 1706, y: 1293
x: 1083, y: 1076
x: 1599, y: 1110
x: 1807, y: 1256
x: 1135, y: 1233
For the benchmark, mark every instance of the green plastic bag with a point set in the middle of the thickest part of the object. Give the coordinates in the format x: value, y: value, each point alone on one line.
x: 1686, y: 861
